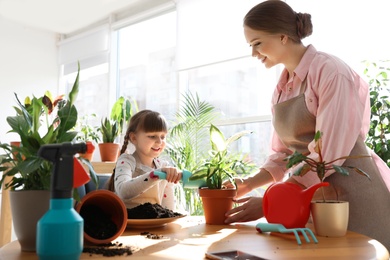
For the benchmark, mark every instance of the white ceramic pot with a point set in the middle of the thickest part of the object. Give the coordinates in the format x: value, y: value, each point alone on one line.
x: 330, y: 218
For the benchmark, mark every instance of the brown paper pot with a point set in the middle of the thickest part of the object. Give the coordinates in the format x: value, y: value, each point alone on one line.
x: 109, y: 152
x: 27, y: 207
x: 330, y: 218
x: 216, y: 203
x: 110, y: 205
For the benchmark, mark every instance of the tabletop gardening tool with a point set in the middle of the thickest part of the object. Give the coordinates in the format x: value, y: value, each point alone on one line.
x: 270, y: 227
x: 185, y: 179
x: 60, y: 230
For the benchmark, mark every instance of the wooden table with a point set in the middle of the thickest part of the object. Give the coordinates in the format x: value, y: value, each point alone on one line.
x: 190, y: 238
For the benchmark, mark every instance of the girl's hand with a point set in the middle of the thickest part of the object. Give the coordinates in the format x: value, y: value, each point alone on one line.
x: 251, y: 209
x: 173, y: 174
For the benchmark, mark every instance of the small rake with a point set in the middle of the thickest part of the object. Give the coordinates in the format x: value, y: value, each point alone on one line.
x: 268, y: 227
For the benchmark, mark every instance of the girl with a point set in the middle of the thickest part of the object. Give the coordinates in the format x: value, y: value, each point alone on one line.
x: 133, y: 179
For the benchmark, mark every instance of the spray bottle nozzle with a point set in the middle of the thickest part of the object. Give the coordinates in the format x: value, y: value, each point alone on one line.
x: 62, y: 156
x: 53, y: 152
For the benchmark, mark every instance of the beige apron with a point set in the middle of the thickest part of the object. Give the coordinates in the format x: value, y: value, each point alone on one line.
x: 369, y: 201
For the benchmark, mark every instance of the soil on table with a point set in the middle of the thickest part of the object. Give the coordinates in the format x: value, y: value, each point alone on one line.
x: 99, y: 225
x: 151, y: 211
x: 110, y: 249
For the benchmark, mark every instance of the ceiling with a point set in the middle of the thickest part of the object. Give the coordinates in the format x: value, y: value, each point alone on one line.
x: 64, y: 16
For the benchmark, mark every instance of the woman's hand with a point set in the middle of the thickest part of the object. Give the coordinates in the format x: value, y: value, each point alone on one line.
x: 251, y: 209
x: 173, y: 174
x: 243, y: 186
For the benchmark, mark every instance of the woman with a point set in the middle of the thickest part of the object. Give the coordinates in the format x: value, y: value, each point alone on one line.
x: 316, y: 91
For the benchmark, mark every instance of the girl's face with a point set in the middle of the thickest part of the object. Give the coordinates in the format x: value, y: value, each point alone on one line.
x: 149, y: 144
x: 268, y: 48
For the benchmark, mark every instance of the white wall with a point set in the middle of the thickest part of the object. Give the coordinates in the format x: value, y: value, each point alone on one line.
x: 28, y: 65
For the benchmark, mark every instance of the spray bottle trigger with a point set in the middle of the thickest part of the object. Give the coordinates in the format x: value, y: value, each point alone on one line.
x: 80, y: 175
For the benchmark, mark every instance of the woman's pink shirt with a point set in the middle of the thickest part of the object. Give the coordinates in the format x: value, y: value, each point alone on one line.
x: 339, y: 99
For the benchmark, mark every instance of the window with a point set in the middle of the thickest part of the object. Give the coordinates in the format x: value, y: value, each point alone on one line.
x: 146, y: 63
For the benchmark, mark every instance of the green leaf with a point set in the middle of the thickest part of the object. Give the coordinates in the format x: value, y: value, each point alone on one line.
x: 217, y: 139
x: 75, y: 89
x: 341, y: 170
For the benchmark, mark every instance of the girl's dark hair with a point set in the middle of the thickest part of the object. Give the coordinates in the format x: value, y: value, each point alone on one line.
x: 144, y: 120
x: 275, y: 16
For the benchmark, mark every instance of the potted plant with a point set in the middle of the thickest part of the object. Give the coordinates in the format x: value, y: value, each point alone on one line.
x: 219, y: 167
x: 88, y: 134
x: 188, y: 140
x: 115, y: 126
x: 109, y: 150
x: 378, y: 137
x: 330, y: 217
x: 38, y: 121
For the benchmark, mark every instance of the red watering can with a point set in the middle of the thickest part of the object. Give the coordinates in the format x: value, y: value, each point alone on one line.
x: 288, y: 204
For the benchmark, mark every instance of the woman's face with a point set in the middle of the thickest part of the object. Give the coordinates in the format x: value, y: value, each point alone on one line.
x: 149, y: 144
x: 268, y: 48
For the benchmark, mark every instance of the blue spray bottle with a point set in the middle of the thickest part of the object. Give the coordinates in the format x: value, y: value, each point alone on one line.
x: 60, y: 230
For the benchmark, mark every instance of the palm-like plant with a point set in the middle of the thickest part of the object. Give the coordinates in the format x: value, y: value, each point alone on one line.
x: 188, y: 136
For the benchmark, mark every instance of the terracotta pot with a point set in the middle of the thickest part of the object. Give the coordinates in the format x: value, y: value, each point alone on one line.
x: 17, y: 144
x: 90, y: 151
x: 109, y: 152
x: 27, y: 207
x: 216, y: 202
x: 110, y: 205
x: 330, y: 218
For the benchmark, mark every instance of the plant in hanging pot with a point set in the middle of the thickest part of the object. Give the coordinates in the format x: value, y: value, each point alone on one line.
x: 218, y: 168
x: 330, y: 217
x: 109, y: 150
x: 87, y: 133
x: 38, y: 121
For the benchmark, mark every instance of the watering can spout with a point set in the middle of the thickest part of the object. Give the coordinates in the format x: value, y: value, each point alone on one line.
x: 309, y: 192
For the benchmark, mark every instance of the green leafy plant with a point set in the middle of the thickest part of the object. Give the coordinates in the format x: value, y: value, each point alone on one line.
x: 378, y: 138
x: 38, y: 121
x: 87, y: 132
x: 221, y: 165
x: 109, y: 130
x: 321, y: 167
x: 122, y: 110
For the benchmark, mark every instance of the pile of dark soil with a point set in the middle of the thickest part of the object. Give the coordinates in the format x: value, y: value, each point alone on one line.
x: 110, y: 249
x: 149, y: 210
x: 97, y: 223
